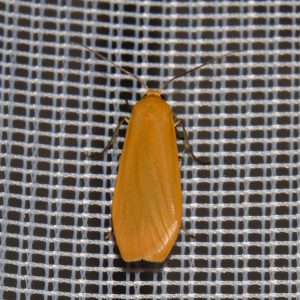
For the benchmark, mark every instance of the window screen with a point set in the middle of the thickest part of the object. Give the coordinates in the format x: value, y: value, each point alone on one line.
x: 59, y: 106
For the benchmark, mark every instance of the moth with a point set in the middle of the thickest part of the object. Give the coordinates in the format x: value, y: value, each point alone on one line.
x: 147, y: 201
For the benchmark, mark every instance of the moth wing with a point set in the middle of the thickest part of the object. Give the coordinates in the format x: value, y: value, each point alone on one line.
x: 147, y: 203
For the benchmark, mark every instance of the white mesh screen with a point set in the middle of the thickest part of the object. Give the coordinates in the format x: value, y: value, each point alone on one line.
x: 59, y: 103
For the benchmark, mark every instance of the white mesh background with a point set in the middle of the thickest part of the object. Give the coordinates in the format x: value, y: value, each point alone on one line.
x: 58, y: 103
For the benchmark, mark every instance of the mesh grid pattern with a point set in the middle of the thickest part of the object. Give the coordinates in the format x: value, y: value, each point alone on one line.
x: 58, y: 104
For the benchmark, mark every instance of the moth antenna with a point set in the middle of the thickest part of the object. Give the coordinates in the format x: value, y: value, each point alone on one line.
x: 102, y: 57
x: 196, y: 68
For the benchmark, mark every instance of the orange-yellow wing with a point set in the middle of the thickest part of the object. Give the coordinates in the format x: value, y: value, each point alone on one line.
x: 147, y: 202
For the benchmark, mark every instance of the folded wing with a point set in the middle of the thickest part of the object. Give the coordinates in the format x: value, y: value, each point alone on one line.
x: 147, y: 203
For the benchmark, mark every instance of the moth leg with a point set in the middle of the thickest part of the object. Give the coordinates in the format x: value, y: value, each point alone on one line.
x: 187, y: 145
x: 108, y: 234
x: 110, y: 231
x: 180, y: 161
x: 190, y: 235
x: 112, y: 139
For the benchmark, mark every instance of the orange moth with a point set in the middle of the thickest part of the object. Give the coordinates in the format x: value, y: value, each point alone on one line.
x: 147, y: 202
